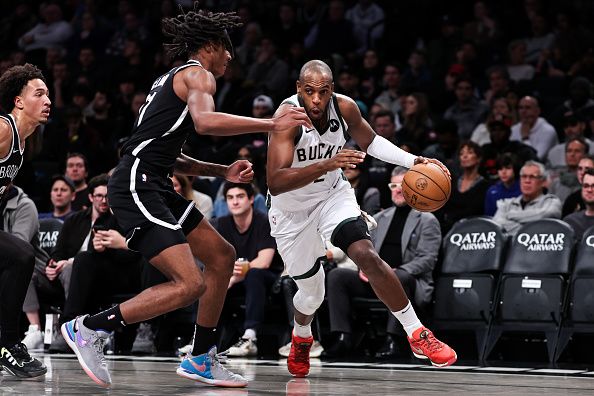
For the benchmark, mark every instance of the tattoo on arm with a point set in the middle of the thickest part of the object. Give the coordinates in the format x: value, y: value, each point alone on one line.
x: 191, y: 167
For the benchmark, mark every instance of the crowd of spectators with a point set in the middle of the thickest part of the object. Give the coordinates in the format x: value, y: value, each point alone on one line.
x: 500, y: 92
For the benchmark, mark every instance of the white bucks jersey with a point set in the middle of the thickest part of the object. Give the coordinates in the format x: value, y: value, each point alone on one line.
x: 312, y: 146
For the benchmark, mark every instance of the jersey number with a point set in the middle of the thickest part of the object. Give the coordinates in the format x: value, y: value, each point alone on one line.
x: 146, y: 104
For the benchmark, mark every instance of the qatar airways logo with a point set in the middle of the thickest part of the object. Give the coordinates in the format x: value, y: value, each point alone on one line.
x: 48, y: 239
x: 474, y: 240
x: 542, y: 242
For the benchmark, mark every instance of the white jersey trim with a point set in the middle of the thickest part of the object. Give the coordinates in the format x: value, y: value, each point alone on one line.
x: 173, y: 128
x: 13, y: 129
x: 141, y: 206
x: 185, y: 214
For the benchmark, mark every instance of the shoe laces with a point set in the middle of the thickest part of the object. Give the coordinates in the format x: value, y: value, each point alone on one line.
x: 20, y: 353
x: 218, y: 360
x: 241, y: 343
x: 302, y: 352
x: 430, y: 342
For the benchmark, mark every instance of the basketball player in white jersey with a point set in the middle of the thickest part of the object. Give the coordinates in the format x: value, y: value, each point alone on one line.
x: 312, y: 201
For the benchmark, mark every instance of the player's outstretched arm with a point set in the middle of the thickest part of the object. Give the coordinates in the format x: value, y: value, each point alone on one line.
x: 281, y: 177
x: 238, y: 172
x: 374, y: 144
x: 201, y: 87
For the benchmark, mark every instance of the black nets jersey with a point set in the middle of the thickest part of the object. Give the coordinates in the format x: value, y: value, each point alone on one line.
x: 11, y: 163
x: 163, y: 123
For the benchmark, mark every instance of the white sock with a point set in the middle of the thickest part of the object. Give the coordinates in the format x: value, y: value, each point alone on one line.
x: 408, y: 319
x: 249, y: 334
x: 302, y: 331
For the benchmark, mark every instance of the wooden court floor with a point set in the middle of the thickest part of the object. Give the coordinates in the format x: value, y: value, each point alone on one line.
x: 156, y: 376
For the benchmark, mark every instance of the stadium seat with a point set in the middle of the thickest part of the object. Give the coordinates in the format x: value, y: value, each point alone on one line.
x: 466, y: 285
x: 534, y: 282
x: 48, y: 233
x: 580, y: 311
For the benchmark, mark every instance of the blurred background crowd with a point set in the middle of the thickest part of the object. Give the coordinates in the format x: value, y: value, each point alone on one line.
x: 500, y: 91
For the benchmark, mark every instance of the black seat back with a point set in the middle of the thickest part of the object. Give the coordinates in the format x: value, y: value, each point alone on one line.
x: 584, y: 261
x: 49, y: 229
x: 540, y: 247
x: 473, y: 245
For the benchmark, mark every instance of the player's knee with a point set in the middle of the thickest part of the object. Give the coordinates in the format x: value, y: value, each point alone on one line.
x: 190, y: 292
x: 227, y: 258
x: 349, y: 233
x: 308, y: 303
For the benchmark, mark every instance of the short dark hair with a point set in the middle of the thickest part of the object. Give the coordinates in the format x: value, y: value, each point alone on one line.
x: 14, y: 80
x: 508, y: 160
x: 385, y: 113
x: 472, y: 146
x: 99, y: 180
x: 247, y: 187
x: 63, y: 178
x: 589, y: 172
x: 581, y: 140
x: 81, y: 156
x: 572, y: 119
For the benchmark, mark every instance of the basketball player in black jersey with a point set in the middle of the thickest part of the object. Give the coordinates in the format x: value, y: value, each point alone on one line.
x: 168, y: 230
x: 24, y: 95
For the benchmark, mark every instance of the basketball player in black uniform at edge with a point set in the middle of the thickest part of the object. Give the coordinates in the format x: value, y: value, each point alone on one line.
x: 24, y: 95
x: 167, y: 229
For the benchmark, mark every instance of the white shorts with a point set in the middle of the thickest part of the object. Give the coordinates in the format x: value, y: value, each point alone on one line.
x: 300, y: 235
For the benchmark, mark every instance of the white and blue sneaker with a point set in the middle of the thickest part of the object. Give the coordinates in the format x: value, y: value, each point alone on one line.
x: 207, y: 368
x: 88, y: 345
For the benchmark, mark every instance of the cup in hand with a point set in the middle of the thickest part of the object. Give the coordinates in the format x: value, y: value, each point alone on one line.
x: 245, y: 265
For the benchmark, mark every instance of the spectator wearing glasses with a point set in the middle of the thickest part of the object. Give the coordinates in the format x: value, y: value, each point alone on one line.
x: 574, y: 202
x: 91, y: 246
x: 584, y: 219
x: 408, y: 241
x: 532, y: 205
x: 73, y: 238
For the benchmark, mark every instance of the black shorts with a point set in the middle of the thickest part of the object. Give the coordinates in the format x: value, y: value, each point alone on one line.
x: 149, y: 211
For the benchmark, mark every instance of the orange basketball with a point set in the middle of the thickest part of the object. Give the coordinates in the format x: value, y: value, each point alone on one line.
x: 426, y: 187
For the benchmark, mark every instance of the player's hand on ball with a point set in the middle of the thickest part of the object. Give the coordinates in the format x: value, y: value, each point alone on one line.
x: 240, y: 172
x: 345, y: 158
x: 423, y: 160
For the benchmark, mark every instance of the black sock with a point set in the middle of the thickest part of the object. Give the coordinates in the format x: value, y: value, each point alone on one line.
x: 108, y: 320
x: 204, y: 339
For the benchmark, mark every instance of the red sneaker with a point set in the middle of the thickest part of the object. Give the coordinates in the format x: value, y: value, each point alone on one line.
x: 425, y: 346
x: 298, y: 361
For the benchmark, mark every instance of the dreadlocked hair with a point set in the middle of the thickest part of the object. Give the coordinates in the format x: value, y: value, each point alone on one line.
x: 13, y: 81
x: 193, y: 30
